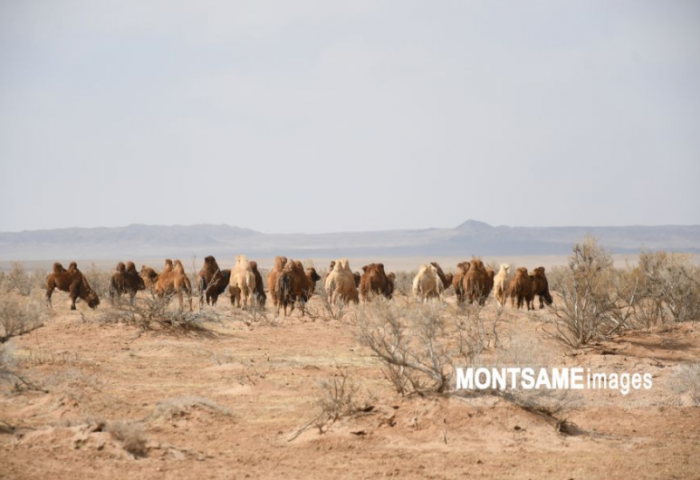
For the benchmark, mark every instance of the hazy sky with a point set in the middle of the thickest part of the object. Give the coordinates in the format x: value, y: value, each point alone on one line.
x: 318, y: 116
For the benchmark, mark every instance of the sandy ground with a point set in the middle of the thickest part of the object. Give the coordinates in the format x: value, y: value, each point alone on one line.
x: 226, y: 406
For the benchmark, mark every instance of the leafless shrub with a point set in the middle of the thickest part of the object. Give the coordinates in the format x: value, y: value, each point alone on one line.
x: 181, y: 406
x: 9, y: 375
x: 18, y: 319
x: 131, y: 435
x: 19, y: 280
x: 98, y: 280
x: 327, y: 310
x: 417, y: 346
x: 7, y: 362
x: 557, y: 275
x: 38, y: 278
x: 686, y: 381
x: 595, y: 299
x: 254, y: 314
x: 151, y: 312
x: 670, y: 286
x: 339, y: 397
x: 403, y: 284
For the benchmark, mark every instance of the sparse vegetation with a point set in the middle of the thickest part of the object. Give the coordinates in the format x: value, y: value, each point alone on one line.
x: 18, y: 317
x: 418, y: 346
x: 338, y: 398
x: 403, y: 284
x: 98, y: 280
x: 598, y: 300
x: 327, y: 310
x: 670, y: 288
x: 19, y: 280
x: 151, y: 312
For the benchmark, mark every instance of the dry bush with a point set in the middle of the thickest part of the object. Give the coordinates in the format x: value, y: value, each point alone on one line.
x: 670, y: 287
x: 403, y: 284
x: 595, y: 299
x: 131, y: 435
x: 327, y: 310
x: 419, y: 345
x: 557, y: 275
x: 98, y: 280
x: 686, y: 380
x: 18, y: 280
x: 9, y: 377
x: 338, y: 398
x: 254, y: 314
x: 7, y: 362
x: 18, y: 318
x: 178, y: 407
x: 38, y: 279
x: 148, y: 313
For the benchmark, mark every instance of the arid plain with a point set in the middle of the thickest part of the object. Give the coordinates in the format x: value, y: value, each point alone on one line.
x: 249, y: 394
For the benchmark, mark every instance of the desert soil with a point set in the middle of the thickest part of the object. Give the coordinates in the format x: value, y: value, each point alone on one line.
x: 227, y: 405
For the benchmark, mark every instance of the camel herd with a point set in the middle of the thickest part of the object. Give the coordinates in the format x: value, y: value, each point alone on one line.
x: 290, y: 284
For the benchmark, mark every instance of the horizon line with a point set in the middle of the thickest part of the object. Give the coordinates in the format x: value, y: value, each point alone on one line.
x: 477, y: 222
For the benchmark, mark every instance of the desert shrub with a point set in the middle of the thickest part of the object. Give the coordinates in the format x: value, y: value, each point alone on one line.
x: 670, y: 287
x: 556, y: 276
x: 404, y: 282
x: 326, y: 309
x: 98, y: 280
x: 38, y: 279
x: 253, y: 314
x: 338, y: 397
x: 9, y: 375
x: 18, y: 318
x: 131, y: 436
x: 19, y: 280
x: 7, y: 362
x: 686, y: 380
x: 595, y: 299
x: 148, y: 313
x: 418, y: 345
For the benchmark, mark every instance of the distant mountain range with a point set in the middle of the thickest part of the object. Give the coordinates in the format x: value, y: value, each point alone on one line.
x: 470, y: 238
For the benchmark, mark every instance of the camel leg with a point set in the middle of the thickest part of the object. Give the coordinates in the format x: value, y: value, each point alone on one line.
x: 49, y: 293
